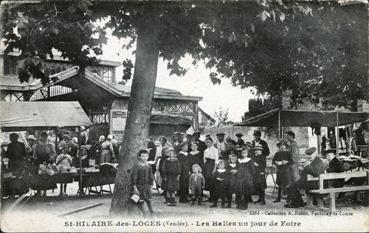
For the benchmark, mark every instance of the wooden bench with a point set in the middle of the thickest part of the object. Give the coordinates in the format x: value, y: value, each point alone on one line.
x: 332, y: 191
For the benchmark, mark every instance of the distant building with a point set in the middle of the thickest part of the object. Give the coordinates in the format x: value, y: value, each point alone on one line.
x: 205, y: 119
x: 104, y: 101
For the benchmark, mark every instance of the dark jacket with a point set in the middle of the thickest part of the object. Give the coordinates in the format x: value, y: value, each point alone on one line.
x: 265, y: 146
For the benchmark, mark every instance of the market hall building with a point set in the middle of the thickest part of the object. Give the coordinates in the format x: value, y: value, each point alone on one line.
x: 102, y: 98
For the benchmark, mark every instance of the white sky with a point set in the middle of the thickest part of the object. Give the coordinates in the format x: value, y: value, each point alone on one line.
x: 196, y: 82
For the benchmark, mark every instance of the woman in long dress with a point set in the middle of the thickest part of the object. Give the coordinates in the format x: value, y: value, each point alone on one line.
x: 211, y: 160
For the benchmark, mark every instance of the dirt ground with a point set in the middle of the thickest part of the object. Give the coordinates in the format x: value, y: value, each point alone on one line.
x: 53, y: 206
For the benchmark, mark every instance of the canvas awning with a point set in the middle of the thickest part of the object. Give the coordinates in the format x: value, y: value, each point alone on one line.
x: 169, y: 119
x: 302, y: 118
x: 41, y: 115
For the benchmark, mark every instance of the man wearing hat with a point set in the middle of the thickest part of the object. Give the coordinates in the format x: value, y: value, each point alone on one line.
x: 295, y: 152
x: 16, y: 153
x: 262, y: 148
x: 220, y: 145
x: 240, y: 142
x: 315, y: 167
x: 259, y: 142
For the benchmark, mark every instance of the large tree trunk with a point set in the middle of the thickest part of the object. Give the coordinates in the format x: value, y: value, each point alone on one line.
x: 139, y: 108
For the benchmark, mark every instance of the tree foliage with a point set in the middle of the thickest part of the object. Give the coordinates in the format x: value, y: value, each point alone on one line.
x: 221, y: 116
x: 317, y: 50
x: 37, y: 29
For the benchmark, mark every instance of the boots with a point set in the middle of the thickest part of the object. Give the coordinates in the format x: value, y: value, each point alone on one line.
x: 261, y: 201
x: 199, y: 200
x: 148, y: 202
x: 171, y: 202
x: 261, y: 198
x: 279, y: 195
x: 229, y: 203
x: 215, y: 204
x: 245, y: 204
x: 223, y: 203
x: 193, y: 201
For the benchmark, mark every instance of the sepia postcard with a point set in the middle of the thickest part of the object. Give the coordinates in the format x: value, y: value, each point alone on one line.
x: 184, y: 116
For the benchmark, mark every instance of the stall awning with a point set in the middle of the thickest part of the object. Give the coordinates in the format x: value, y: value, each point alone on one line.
x: 302, y: 118
x: 169, y: 119
x: 42, y: 115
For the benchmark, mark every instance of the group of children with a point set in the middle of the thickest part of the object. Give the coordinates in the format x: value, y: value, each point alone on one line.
x: 240, y: 175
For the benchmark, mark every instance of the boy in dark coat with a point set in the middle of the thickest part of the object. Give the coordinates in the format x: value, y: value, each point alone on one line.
x: 142, y: 180
x: 259, y: 175
x: 220, y: 177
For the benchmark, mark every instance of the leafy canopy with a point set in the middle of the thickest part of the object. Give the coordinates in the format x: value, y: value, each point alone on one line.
x: 317, y: 50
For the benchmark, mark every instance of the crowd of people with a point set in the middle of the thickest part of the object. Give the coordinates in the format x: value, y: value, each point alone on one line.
x: 58, y: 153
x: 225, y: 168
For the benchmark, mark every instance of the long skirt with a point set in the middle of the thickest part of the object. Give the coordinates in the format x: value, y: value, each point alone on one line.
x: 245, y: 187
x: 105, y: 156
x: 293, y: 172
x: 170, y: 183
x: 283, y: 177
x: 209, y: 178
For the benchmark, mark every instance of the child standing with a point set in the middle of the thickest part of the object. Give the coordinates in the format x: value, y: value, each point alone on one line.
x: 282, y: 159
x: 171, y: 173
x: 142, y: 180
x: 245, y: 172
x: 196, y: 184
x: 220, y: 178
x: 259, y: 175
x: 231, y: 179
x: 184, y: 161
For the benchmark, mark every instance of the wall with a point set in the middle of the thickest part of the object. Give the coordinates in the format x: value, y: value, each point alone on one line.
x: 302, y: 135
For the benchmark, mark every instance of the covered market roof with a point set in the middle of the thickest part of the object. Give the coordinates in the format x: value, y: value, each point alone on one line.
x: 23, y: 115
x: 304, y: 118
x: 87, y: 82
x: 169, y: 119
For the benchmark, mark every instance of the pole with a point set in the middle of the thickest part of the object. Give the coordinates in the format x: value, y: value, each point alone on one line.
x: 232, y: 131
x: 279, y: 124
x: 56, y: 139
x: 80, y: 164
x: 337, y: 135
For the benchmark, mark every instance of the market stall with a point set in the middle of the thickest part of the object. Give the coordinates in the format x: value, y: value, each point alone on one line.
x: 279, y: 119
x: 302, y: 118
x: 23, y: 116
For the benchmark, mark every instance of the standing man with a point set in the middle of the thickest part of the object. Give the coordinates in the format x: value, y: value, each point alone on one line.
x: 259, y: 142
x: 16, y: 153
x: 295, y: 152
x: 220, y: 145
x: 261, y: 152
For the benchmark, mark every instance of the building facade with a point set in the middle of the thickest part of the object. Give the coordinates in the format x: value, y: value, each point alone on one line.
x: 102, y: 98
